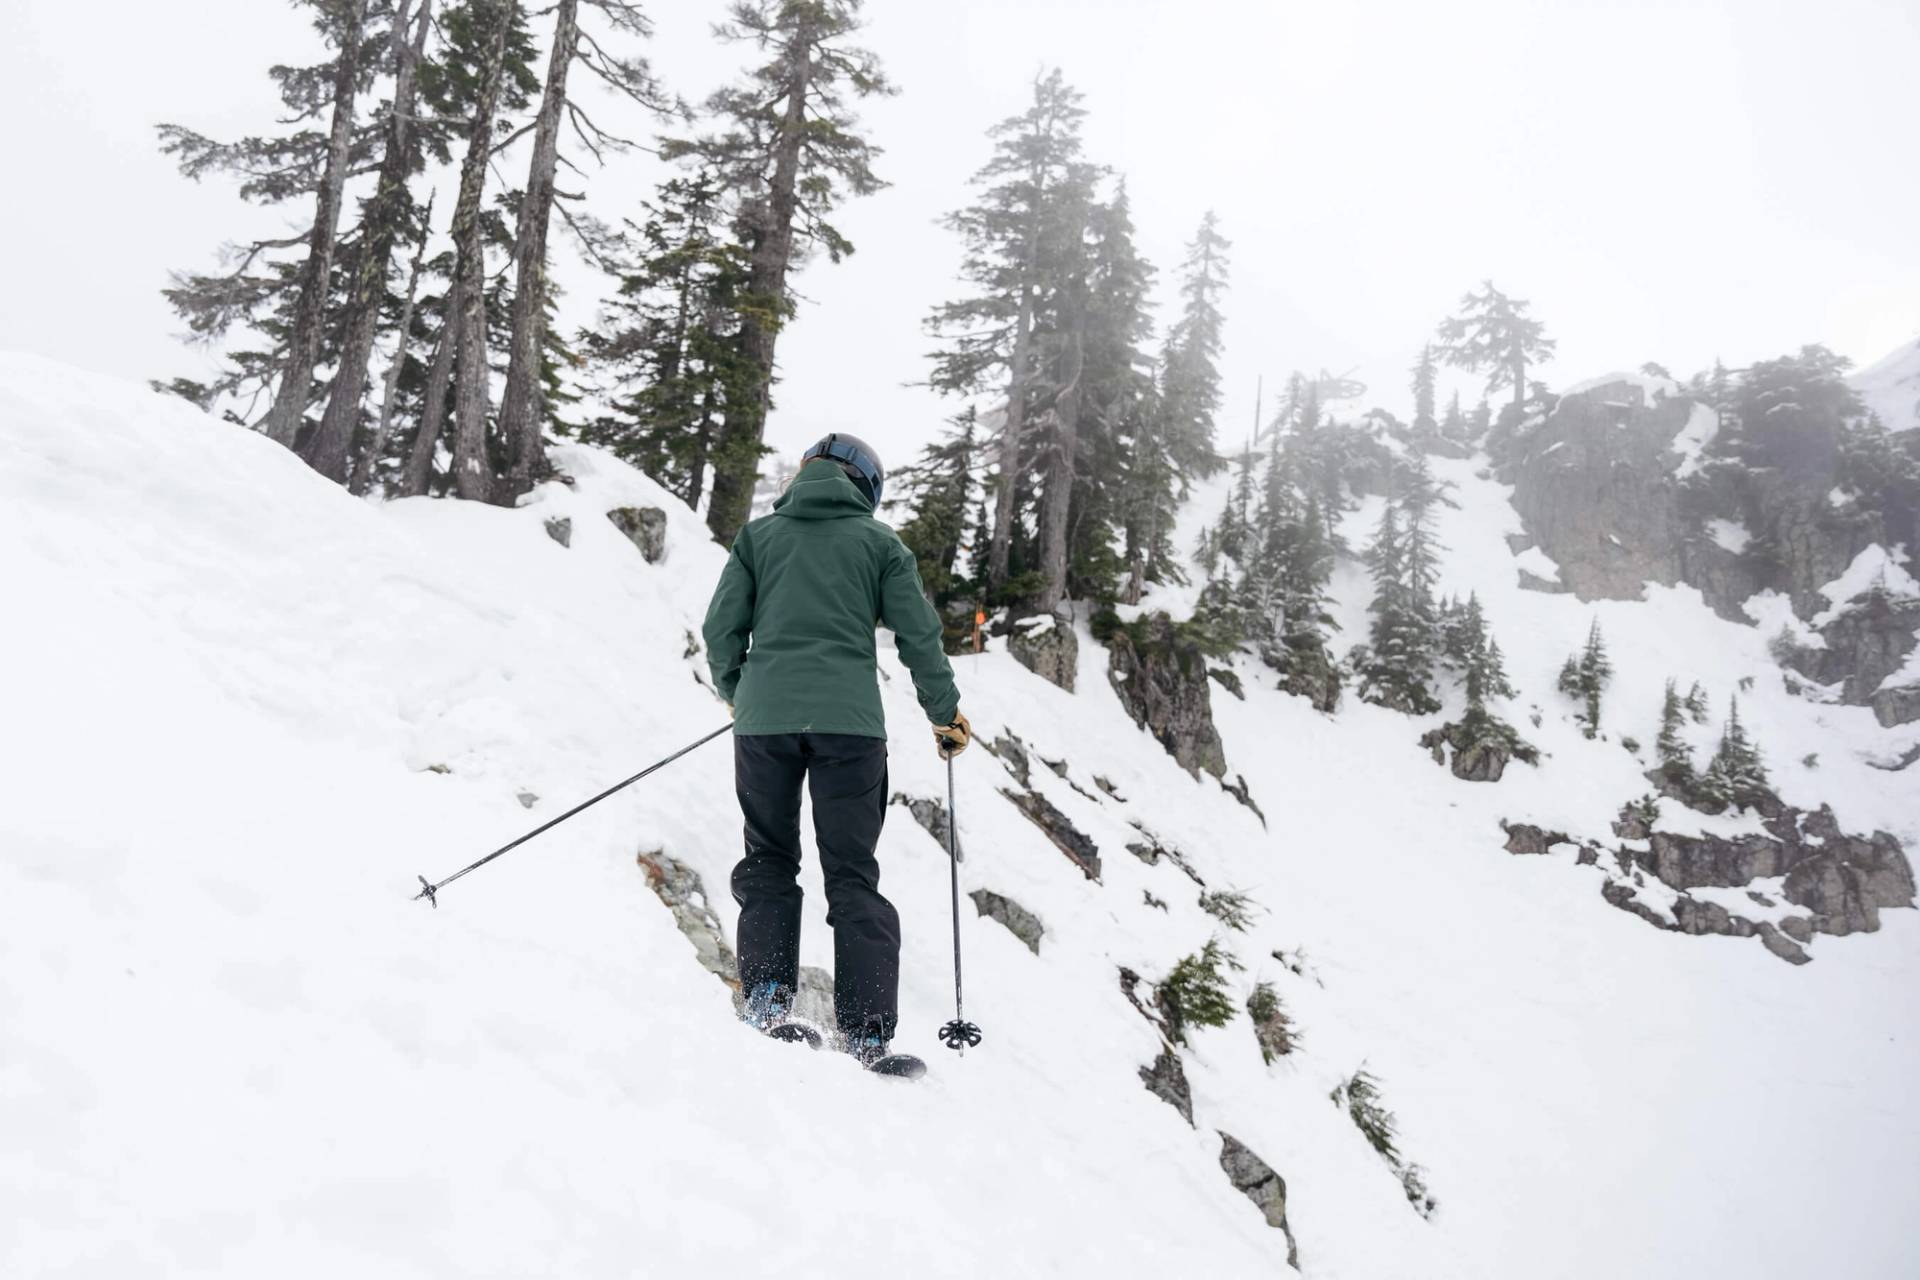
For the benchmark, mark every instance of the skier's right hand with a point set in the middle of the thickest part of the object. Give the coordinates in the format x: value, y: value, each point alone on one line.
x: 951, y: 739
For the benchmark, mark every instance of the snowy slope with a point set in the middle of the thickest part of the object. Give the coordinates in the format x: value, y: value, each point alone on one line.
x: 230, y: 1045
x: 1891, y: 387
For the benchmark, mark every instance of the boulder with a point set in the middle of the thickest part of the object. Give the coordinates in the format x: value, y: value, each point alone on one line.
x: 1166, y: 1080
x: 645, y: 527
x: 1046, y: 646
x: 1481, y: 744
x: 1788, y: 949
x: 1019, y: 921
x: 1255, y: 1179
x: 1525, y: 838
x: 560, y: 529
x: 1160, y: 676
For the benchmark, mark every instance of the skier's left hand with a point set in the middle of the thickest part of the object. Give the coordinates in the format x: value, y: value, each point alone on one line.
x: 951, y: 739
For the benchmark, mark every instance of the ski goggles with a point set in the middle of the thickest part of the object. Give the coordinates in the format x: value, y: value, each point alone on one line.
x: 858, y: 459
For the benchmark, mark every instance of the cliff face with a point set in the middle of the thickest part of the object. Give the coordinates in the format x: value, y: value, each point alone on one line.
x: 1629, y: 481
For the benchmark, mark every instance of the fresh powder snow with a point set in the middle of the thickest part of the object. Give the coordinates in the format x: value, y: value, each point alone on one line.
x: 249, y: 709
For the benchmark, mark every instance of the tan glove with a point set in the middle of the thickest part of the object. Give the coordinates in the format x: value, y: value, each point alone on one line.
x: 951, y: 739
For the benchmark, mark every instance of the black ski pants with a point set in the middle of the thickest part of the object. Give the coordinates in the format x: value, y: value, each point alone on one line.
x: 847, y: 776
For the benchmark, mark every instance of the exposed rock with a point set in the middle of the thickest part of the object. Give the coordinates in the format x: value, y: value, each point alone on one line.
x: 1166, y: 1080
x: 645, y: 527
x: 560, y: 529
x: 1481, y: 744
x: 1228, y: 680
x: 1160, y: 676
x: 678, y: 885
x: 1799, y: 928
x: 1531, y: 581
x: 1255, y: 1179
x: 1787, y: 949
x: 1687, y: 862
x: 1066, y: 837
x: 1109, y: 788
x: 527, y: 799
x: 1019, y: 921
x: 1620, y: 894
x: 1011, y: 752
x: 1866, y: 641
x: 930, y: 814
x: 1699, y: 916
x: 1844, y: 885
x: 813, y: 1000
x: 1151, y: 850
x: 1046, y: 646
x: 1524, y: 837
x: 1593, y: 484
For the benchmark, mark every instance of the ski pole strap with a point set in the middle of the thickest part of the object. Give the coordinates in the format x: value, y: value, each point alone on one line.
x: 431, y: 891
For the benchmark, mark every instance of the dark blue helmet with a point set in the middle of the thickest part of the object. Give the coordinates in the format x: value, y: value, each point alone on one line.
x: 857, y: 458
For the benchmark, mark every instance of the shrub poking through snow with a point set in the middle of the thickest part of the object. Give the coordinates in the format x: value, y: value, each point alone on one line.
x: 1273, y: 1028
x: 1360, y: 1095
x: 1230, y: 907
x: 1194, y: 992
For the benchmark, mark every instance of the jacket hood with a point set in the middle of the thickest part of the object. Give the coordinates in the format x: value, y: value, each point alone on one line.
x: 822, y: 492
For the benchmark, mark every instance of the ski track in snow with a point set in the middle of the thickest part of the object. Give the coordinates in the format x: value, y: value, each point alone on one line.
x: 231, y: 1046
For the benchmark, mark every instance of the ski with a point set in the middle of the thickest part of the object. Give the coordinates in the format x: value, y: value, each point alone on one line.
x: 903, y: 1066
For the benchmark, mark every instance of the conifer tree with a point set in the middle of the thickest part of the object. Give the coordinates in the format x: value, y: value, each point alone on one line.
x: 788, y: 150
x: 1585, y: 676
x: 938, y: 490
x: 281, y: 286
x: 1424, y: 422
x: 1676, y: 756
x: 1493, y: 333
x: 375, y: 453
x: 667, y: 348
x: 1397, y: 666
x: 1454, y: 425
x: 1696, y: 703
x: 520, y: 399
x: 1034, y: 183
x: 386, y: 217
x: 1736, y: 773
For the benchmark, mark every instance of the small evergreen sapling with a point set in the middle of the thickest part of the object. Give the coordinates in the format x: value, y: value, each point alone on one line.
x: 1231, y: 907
x: 1194, y: 992
x: 1273, y: 1028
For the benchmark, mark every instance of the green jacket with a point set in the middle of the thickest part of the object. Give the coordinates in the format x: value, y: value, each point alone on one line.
x: 790, y: 631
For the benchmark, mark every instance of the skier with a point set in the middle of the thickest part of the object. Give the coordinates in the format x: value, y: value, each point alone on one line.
x: 790, y: 644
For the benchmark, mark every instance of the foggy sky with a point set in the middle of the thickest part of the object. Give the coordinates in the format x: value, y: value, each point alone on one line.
x: 1670, y: 182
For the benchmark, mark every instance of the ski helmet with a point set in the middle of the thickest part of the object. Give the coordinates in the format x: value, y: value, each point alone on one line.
x: 856, y: 457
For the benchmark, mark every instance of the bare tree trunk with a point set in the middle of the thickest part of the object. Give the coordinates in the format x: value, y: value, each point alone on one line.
x: 383, y: 430
x: 1000, y: 545
x: 737, y: 464
x: 519, y: 420
x: 433, y: 412
x: 1057, y: 489
x: 327, y: 451
x: 309, y: 311
x: 472, y: 470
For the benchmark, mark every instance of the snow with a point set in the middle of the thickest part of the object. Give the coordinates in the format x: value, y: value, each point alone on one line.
x: 1538, y: 563
x: 1651, y: 385
x: 1874, y: 566
x: 232, y: 1046
x: 1773, y: 612
x: 1703, y: 424
x: 1890, y: 387
x: 1730, y: 535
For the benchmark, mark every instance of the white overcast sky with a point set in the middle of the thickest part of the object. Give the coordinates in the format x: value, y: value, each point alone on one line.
x: 1665, y: 181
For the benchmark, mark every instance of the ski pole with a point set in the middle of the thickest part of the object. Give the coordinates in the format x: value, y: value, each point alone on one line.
x: 431, y: 891
x: 958, y: 1034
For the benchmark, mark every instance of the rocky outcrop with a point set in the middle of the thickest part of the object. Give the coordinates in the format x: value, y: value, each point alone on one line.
x: 1166, y: 1080
x: 1012, y: 753
x: 1307, y: 670
x: 1019, y: 921
x: 1047, y: 647
x: 1593, y: 483
x: 1160, y: 676
x: 1070, y: 840
x: 1525, y: 838
x: 645, y: 527
x: 1868, y: 639
x: 1255, y: 1179
x: 1481, y: 745
x: 678, y: 886
x: 1840, y: 882
x: 1150, y: 850
x: 930, y: 814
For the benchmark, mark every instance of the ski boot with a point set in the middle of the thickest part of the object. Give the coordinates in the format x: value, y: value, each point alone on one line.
x: 769, y: 1010
x: 869, y: 1049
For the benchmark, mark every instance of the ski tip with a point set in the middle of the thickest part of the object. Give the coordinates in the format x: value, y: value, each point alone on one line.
x: 901, y: 1066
